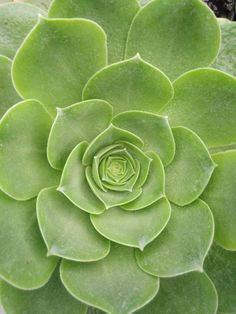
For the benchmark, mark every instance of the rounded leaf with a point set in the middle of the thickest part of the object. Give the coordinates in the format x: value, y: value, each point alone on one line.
x: 24, y: 169
x: 109, y: 284
x: 183, y: 244
x: 175, y: 38
x: 23, y: 260
x: 68, y: 53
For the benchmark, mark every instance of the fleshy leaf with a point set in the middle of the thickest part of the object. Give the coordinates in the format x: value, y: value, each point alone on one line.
x: 183, y: 244
x: 226, y: 59
x: 221, y: 197
x: 74, y: 124
x: 204, y: 101
x: 70, y: 50
x: 154, y: 130
x: 220, y: 265
x: 190, y: 171
x: 153, y: 188
x: 115, y: 18
x: 71, y: 235
x: 23, y: 260
x: 172, y: 39
x: 192, y: 293
x: 8, y: 95
x: 52, y: 298
x: 74, y: 183
x: 44, y: 4
x: 115, y: 284
x: 16, y: 20
x: 134, y: 229
x: 130, y: 85
x: 24, y: 169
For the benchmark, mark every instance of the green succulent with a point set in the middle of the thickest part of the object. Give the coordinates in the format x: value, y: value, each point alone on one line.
x: 117, y: 158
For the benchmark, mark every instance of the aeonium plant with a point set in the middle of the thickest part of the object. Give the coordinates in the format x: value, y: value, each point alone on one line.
x: 117, y: 162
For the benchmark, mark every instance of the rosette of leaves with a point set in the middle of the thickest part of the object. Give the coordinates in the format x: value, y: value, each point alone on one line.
x: 117, y: 167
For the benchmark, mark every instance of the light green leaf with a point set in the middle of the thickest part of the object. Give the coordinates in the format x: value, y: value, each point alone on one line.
x: 130, y: 85
x: 226, y: 59
x: 57, y: 59
x: 221, y: 267
x: 71, y: 235
x: 221, y: 197
x: 184, y: 243
x: 23, y: 260
x: 192, y: 293
x: 8, y: 95
x: 24, y: 169
x: 44, y: 4
x: 189, y: 173
x: 74, y: 183
x: 115, y: 18
x: 134, y: 229
x: 175, y: 37
x: 16, y: 20
x: 154, y: 130
x: 74, y: 124
x: 204, y: 101
x: 52, y: 298
x: 115, y: 284
x: 153, y: 188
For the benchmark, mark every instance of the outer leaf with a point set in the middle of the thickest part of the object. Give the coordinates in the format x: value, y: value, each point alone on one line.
x: 189, y: 173
x: 109, y: 284
x: 221, y: 267
x: 23, y: 261
x: 220, y: 195
x: 74, y: 124
x: 226, y: 59
x: 130, y: 85
x: 204, y: 101
x: 16, y: 20
x: 8, y: 95
x: 52, y: 298
x: 154, y: 130
x: 71, y: 235
x: 134, y: 229
x: 115, y: 18
x: 193, y: 293
x: 44, y: 4
x: 184, y: 243
x: 24, y: 169
x: 71, y: 50
x: 172, y: 38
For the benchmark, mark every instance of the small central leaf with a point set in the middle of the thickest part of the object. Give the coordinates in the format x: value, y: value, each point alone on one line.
x: 116, y: 168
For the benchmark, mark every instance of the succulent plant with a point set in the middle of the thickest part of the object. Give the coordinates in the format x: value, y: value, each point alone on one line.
x: 117, y: 158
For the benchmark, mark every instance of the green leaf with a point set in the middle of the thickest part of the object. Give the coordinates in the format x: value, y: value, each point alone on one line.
x: 204, y: 101
x: 74, y: 183
x: 226, y: 59
x: 52, y: 298
x: 57, y: 59
x: 192, y: 293
x: 221, y: 197
x: 44, y: 4
x: 24, y: 169
x: 184, y: 243
x: 115, y: 284
x: 175, y: 38
x: 221, y: 266
x: 189, y: 173
x: 115, y: 18
x: 130, y: 85
x: 154, y: 130
x: 71, y: 235
x: 8, y: 95
x: 153, y: 188
x: 134, y: 229
x: 23, y: 260
x: 74, y: 124
x: 16, y: 20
